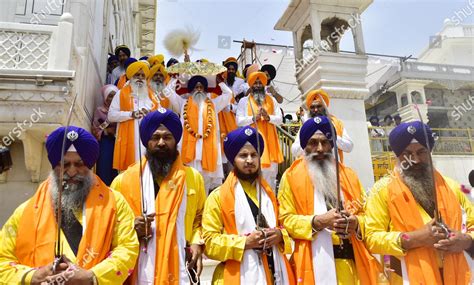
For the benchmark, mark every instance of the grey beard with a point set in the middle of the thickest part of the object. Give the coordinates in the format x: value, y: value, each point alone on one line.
x: 421, y: 186
x: 323, y: 176
x: 157, y: 87
x: 259, y: 96
x: 199, y: 97
x: 73, y: 196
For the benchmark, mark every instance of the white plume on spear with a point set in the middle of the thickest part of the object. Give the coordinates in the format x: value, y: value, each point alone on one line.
x: 180, y: 41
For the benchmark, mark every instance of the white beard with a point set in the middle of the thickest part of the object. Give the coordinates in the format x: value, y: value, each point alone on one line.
x: 139, y: 89
x: 199, y: 97
x: 259, y: 97
x: 323, y: 175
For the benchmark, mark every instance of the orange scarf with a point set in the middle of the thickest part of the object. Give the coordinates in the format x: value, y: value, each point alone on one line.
x: 302, y: 188
x: 227, y: 122
x: 124, y: 151
x: 272, y: 151
x: 209, y: 148
x: 122, y: 81
x: 167, y: 205
x: 422, y: 264
x: 37, y: 227
x: 227, y: 199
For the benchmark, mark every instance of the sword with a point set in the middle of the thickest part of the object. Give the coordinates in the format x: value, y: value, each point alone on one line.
x: 339, y: 206
x: 439, y: 220
x: 142, y: 195
x: 58, y: 250
x: 261, y: 221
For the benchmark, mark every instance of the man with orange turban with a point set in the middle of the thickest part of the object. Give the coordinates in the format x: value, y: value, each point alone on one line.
x: 128, y: 107
x: 317, y: 107
x: 201, y: 144
x: 262, y: 108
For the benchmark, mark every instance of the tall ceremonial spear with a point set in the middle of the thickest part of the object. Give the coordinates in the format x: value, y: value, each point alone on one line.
x: 58, y: 250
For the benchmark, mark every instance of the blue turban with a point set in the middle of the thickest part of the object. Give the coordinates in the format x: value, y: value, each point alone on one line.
x: 312, y: 125
x: 402, y: 135
x: 85, y: 144
x: 194, y: 81
x: 112, y: 58
x: 236, y: 139
x: 153, y: 120
x: 129, y: 61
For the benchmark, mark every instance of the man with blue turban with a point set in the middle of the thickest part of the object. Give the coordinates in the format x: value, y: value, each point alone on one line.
x: 97, y: 237
x: 401, y: 209
x: 201, y: 144
x: 173, y: 195
x: 328, y: 242
x: 248, y: 256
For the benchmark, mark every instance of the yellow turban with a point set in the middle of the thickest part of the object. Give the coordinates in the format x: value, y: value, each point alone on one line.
x: 156, y: 59
x: 155, y: 69
x: 313, y: 95
x: 253, y: 77
x: 133, y: 68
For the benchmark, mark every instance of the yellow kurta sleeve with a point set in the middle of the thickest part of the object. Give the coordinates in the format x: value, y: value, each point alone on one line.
x: 219, y: 245
x: 466, y: 205
x: 298, y: 226
x: 117, y: 182
x: 10, y: 271
x: 194, y: 206
x: 379, y: 236
x: 124, y: 252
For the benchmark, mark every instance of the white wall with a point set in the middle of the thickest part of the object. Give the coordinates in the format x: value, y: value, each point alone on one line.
x: 456, y: 167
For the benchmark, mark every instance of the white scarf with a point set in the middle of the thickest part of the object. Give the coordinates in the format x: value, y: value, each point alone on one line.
x: 146, y: 261
x: 251, y: 271
x: 324, y: 267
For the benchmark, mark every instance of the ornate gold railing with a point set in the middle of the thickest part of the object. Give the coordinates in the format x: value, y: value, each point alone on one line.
x: 286, y: 137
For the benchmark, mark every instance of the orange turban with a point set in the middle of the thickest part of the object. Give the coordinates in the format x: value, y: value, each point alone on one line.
x: 133, y: 68
x: 156, y: 59
x: 253, y: 77
x: 313, y: 95
x: 157, y: 67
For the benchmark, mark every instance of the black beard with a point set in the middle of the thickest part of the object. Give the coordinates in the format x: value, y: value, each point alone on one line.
x: 245, y: 176
x: 258, y: 90
x: 161, y: 161
x: 315, y: 113
x: 230, y: 78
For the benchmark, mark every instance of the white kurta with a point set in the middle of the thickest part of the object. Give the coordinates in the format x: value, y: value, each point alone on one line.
x: 243, y: 119
x: 211, y: 179
x: 117, y: 116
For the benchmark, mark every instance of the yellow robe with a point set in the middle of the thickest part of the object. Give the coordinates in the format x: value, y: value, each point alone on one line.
x: 221, y: 246
x: 380, y: 236
x: 300, y: 227
x: 194, y: 206
x: 113, y: 270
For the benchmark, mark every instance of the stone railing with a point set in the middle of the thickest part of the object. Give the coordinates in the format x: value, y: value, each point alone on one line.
x: 435, y: 71
x: 36, y: 47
